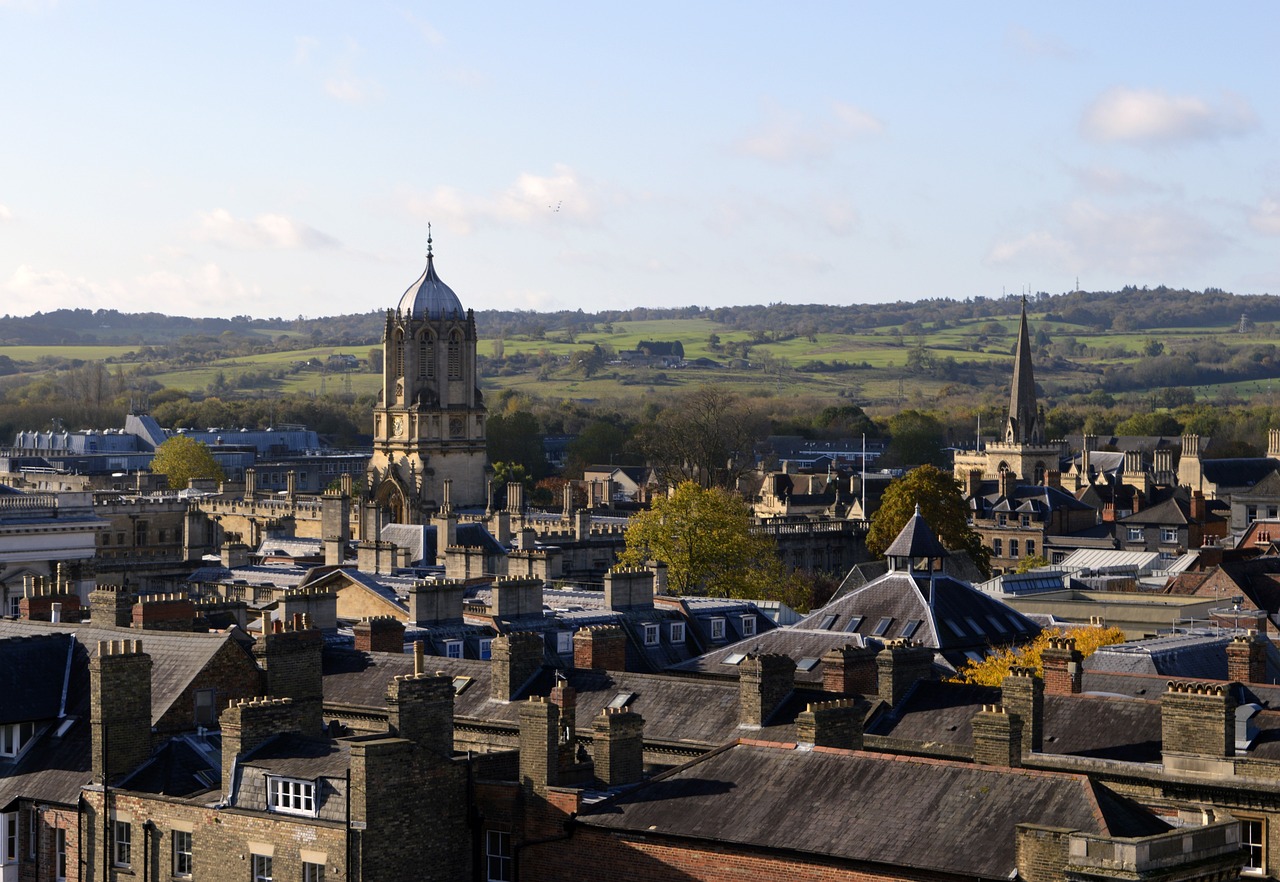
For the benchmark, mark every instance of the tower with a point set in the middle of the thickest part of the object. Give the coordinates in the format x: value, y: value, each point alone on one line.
x: 1025, y: 424
x: 429, y: 421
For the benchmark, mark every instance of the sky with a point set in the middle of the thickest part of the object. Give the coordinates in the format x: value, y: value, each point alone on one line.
x: 286, y: 158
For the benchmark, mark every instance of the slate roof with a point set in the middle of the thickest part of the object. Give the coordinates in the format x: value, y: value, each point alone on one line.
x: 32, y: 669
x: 960, y: 618
x: 866, y: 808
x: 420, y: 539
x: 1116, y: 728
x: 1243, y: 472
x: 916, y: 539
x: 805, y: 647
x: 297, y: 756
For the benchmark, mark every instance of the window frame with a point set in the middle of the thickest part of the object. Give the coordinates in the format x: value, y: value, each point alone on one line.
x: 1260, y: 846
x: 60, y: 854
x: 453, y: 649
x: 652, y: 634
x: 312, y: 872
x: 14, y: 738
x: 1168, y: 535
x: 486, y: 648
x: 717, y: 629
x: 181, y: 856
x: 261, y: 867
x: 121, y: 843
x: 498, y: 861
x: 677, y: 632
x: 748, y: 625
x: 564, y: 642
x: 281, y: 790
x: 10, y: 853
x: 1134, y: 534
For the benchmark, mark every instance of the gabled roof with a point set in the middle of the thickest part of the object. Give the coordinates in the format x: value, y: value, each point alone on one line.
x: 1268, y: 486
x: 1243, y: 472
x: 870, y: 809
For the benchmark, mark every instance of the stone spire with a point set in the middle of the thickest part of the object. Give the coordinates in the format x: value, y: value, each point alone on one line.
x: 1023, y: 426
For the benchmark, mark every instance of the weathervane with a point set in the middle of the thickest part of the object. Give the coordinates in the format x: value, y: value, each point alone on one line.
x: 428, y: 240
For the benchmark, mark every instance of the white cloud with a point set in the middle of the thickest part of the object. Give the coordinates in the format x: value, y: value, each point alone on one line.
x: 205, y: 290
x: 532, y: 200
x: 5, y: 213
x: 1151, y: 117
x: 1037, y: 45
x: 1148, y: 243
x: 790, y: 138
x: 1266, y: 217
x: 430, y: 35
x: 265, y: 232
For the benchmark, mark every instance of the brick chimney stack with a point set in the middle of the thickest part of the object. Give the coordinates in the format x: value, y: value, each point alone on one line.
x: 1063, y: 667
x: 1247, y: 658
x: 831, y: 724
x: 899, y: 665
x: 600, y: 647
x: 245, y: 724
x: 997, y: 737
x: 514, y: 659
x: 119, y: 708
x: 539, y: 745
x: 850, y: 670
x: 110, y: 606
x: 1022, y: 693
x: 292, y: 659
x: 420, y: 708
x: 764, y: 682
x: 1198, y: 719
x: 1008, y: 483
x: 380, y: 634
x: 617, y: 746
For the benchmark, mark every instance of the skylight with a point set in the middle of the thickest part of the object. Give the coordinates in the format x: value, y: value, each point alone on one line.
x: 806, y: 664
x: 882, y: 626
x: 621, y: 700
x: 733, y: 658
x: 855, y: 623
x: 911, y: 627
x: 827, y: 621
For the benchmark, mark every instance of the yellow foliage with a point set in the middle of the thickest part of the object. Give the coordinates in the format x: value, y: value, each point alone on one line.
x: 992, y: 670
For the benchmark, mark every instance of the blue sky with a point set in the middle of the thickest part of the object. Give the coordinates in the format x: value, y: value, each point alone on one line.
x: 285, y: 158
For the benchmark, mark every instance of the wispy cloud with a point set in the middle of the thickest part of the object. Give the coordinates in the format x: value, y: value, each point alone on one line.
x: 266, y: 232
x: 1266, y: 217
x: 531, y: 200
x: 1037, y: 45
x: 430, y: 35
x: 786, y: 137
x: 1149, y: 117
x: 339, y: 72
x: 5, y: 213
x: 1111, y: 181
x: 1150, y: 242
x: 205, y: 290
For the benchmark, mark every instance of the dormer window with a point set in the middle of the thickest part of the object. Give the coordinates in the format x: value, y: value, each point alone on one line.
x: 677, y: 632
x: 292, y: 796
x: 748, y: 626
x: 14, y: 737
x: 453, y: 649
x: 717, y: 629
x: 652, y: 634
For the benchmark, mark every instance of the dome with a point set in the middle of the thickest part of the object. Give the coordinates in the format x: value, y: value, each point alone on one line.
x: 429, y: 297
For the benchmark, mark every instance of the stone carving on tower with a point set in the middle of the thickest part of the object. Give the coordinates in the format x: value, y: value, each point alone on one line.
x: 429, y: 449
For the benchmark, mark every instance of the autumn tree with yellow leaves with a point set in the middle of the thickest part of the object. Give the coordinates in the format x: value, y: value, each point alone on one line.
x: 992, y: 670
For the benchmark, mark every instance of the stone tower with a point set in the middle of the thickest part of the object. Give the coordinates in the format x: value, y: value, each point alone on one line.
x: 429, y: 422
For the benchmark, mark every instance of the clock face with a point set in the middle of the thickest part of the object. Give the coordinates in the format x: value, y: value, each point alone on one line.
x: 397, y: 426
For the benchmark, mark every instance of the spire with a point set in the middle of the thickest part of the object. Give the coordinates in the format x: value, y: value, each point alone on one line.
x: 1023, y: 426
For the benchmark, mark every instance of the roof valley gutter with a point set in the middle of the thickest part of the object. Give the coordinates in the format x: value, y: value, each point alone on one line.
x: 66, y: 677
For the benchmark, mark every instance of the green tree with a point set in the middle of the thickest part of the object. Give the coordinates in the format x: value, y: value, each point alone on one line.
x: 704, y: 537
x: 941, y: 505
x: 916, y: 437
x: 182, y: 460
x: 516, y: 437
x: 707, y: 436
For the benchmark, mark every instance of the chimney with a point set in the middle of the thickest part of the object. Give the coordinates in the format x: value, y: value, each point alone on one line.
x: 973, y: 483
x: 850, y: 670
x: 628, y: 588
x: 1022, y: 693
x: 1162, y: 461
x: 119, y: 708
x: 110, y: 606
x: 335, y: 527
x: 245, y: 725
x: 1198, y: 719
x: 617, y: 746
x: 516, y: 597
x: 1008, y: 483
x: 659, y: 570
x: 899, y: 665
x: 446, y: 524
x: 420, y: 708
x: 1273, y: 443
x: 250, y: 483
x: 380, y: 634
x: 502, y: 520
x: 539, y: 745
x: 764, y: 682
x: 235, y: 554
x: 1247, y: 657
x: 40, y: 600
x: 514, y: 659
x: 1191, y: 446
x: 164, y: 612
x: 600, y: 647
x: 565, y: 697
x: 1132, y: 466
x: 1053, y: 479
x: 1210, y: 557
x: 997, y: 737
x: 831, y: 724
x: 436, y: 603
x: 1063, y: 668
x: 1198, y: 508
x: 515, y: 497
x: 582, y: 524
x: 292, y: 659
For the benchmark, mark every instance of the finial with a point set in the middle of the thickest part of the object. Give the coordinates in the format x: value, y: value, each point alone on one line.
x: 428, y: 240
x: 917, y: 509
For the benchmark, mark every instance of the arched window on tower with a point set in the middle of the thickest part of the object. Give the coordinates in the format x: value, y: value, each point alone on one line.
x: 455, y: 355
x: 398, y: 357
x: 427, y: 356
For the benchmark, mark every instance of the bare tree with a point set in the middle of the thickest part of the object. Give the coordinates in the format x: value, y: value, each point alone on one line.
x: 708, y: 436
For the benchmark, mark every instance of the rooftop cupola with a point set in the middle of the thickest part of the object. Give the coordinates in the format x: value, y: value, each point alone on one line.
x: 916, y: 545
x: 429, y: 297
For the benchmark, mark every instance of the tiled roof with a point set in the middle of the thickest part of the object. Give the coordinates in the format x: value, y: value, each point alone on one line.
x: 869, y: 808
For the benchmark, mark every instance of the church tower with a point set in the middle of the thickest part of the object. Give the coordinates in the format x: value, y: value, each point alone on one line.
x: 429, y: 423
x: 1022, y: 450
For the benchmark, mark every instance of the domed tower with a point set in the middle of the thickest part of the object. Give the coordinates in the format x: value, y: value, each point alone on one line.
x: 429, y: 422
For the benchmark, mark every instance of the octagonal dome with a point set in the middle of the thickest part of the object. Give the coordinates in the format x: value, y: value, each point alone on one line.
x: 429, y: 297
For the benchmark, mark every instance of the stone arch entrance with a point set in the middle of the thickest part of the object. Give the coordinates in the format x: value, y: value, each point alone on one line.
x: 391, y: 501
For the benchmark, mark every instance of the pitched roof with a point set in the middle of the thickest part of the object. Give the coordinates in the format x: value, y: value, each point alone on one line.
x: 863, y: 807
x: 32, y: 671
x: 1243, y: 472
x: 916, y: 539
